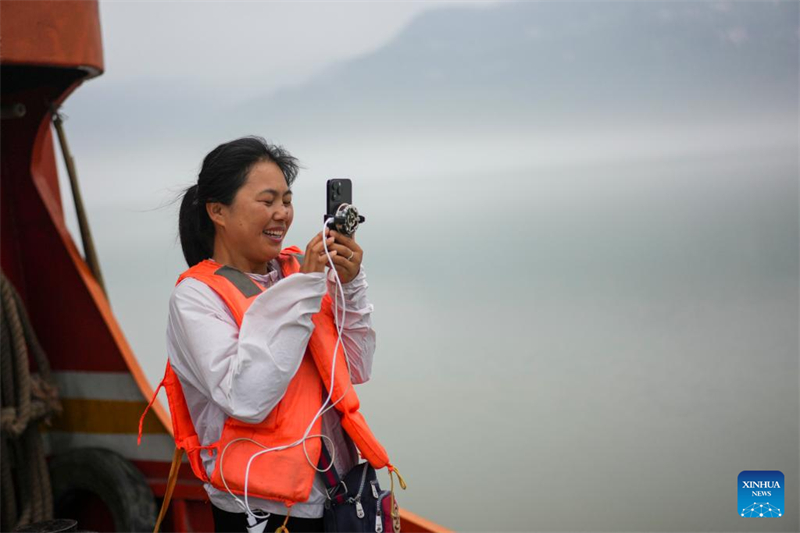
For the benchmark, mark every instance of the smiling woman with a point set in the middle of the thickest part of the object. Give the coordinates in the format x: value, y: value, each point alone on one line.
x: 252, y: 340
x: 249, y: 232
x: 240, y: 194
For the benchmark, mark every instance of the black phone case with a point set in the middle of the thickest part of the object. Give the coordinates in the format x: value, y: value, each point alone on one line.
x: 340, y: 191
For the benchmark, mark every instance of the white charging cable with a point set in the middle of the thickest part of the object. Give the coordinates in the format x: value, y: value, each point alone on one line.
x: 245, y: 505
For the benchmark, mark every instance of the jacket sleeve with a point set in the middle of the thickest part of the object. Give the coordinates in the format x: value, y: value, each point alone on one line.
x: 243, y: 371
x: 357, y: 334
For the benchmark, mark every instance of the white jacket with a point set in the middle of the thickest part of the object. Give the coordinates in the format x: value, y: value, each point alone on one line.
x: 225, y: 371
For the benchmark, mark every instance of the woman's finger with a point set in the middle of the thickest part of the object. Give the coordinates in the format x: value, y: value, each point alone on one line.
x: 350, y: 242
x: 323, y: 258
x: 310, y: 247
x: 343, y: 263
x: 318, y: 247
x: 315, y: 254
x: 344, y: 251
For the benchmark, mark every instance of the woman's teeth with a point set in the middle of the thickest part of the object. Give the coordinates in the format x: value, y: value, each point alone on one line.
x: 274, y: 234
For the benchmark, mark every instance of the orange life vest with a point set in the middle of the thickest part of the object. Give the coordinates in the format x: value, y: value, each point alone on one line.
x: 284, y: 475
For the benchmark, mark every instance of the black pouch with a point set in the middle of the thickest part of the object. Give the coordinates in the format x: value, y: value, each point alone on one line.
x: 356, y: 502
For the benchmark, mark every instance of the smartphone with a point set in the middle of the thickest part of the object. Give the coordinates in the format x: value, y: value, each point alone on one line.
x: 339, y: 191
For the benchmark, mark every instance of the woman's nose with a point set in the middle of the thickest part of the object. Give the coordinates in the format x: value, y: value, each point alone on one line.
x: 281, y: 213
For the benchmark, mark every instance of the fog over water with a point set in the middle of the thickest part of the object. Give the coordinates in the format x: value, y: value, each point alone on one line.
x: 582, y: 244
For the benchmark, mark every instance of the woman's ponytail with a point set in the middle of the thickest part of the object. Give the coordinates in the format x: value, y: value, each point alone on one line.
x: 195, y: 228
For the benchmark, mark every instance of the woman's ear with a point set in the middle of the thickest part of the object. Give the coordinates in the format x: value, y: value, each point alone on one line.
x: 216, y: 212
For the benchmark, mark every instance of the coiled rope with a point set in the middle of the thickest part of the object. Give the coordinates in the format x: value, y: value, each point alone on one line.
x: 28, y: 399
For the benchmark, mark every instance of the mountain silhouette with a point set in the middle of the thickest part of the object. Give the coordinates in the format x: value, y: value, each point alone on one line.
x: 514, y: 64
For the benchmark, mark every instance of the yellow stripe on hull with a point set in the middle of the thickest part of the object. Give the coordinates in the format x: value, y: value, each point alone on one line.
x: 83, y: 415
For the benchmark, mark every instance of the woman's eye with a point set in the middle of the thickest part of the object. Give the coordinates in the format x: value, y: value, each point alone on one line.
x: 268, y: 204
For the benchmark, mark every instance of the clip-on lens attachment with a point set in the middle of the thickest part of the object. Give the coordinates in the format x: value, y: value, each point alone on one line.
x: 346, y: 219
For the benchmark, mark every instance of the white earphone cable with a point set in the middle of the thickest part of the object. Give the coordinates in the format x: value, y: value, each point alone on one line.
x: 339, y: 290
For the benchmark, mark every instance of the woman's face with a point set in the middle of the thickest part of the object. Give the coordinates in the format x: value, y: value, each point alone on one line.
x: 254, y: 225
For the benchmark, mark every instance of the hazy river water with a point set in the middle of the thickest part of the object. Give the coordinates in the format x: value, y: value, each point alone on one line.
x: 598, y: 348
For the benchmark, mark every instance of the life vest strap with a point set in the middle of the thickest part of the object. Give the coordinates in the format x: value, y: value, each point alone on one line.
x: 171, y: 480
x: 395, y: 509
x: 149, y: 405
x: 330, y: 475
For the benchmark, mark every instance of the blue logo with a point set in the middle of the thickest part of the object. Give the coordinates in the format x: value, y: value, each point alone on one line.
x: 761, y: 494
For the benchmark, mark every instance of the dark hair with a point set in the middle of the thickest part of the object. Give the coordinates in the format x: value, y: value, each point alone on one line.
x: 223, y: 173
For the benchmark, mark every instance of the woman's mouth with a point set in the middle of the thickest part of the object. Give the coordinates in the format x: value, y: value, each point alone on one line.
x: 275, y: 235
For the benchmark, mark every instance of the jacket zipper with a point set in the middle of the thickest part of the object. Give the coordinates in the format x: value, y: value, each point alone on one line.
x: 363, y: 480
x: 357, y: 499
x: 378, y: 511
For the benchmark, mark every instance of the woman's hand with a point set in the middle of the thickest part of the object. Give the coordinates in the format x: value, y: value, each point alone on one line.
x: 347, y: 260
x: 315, y: 259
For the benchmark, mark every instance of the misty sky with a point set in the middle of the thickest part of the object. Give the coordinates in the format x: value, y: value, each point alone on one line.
x: 581, y: 239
